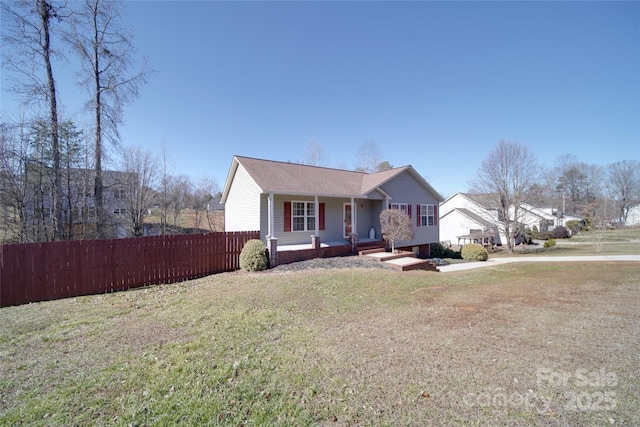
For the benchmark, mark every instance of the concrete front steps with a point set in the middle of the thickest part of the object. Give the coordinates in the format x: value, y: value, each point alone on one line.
x: 403, y: 260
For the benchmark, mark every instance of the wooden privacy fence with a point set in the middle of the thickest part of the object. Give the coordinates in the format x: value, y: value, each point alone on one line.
x: 33, y: 272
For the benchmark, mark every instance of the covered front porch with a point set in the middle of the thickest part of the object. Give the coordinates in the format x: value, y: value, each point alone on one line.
x: 285, y: 254
x: 345, y: 242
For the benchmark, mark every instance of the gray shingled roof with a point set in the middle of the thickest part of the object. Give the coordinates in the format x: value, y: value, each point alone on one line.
x: 475, y: 217
x: 293, y: 178
x: 488, y: 200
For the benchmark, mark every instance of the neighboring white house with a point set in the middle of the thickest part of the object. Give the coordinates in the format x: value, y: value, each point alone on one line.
x: 296, y: 204
x: 467, y: 217
x: 564, y: 218
x: 470, y: 217
x: 530, y: 216
x: 633, y: 218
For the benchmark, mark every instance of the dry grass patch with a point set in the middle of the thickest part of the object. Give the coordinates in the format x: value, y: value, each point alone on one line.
x: 341, y: 347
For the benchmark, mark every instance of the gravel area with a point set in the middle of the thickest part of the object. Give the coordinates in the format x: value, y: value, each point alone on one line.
x: 331, y: 263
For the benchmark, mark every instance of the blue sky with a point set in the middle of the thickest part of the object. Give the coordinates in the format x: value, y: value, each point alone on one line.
x: 433, y: 84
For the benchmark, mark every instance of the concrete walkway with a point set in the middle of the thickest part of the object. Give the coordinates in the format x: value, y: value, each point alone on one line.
x: 498, y: 261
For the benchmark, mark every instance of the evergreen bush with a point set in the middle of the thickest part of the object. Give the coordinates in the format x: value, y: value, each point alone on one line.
x: 549, y: 243
x: 254, y: 256
x: 437, y: 250
x: 561, y: 233
x: 474, y: 252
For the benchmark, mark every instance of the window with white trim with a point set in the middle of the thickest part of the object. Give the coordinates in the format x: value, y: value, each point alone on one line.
x: 303, y: 216
x: 404, y: 207
x: 427, y: 215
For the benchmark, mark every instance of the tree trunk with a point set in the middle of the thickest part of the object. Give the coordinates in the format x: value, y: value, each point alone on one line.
x: 101, y: 217
x: 45, y: 12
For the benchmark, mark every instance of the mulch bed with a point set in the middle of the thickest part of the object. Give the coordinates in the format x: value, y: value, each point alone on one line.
x: 331, y: 263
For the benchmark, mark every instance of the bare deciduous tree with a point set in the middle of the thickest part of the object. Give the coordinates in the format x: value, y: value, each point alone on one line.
x: 164, y: 189
x: 369, y: 157
x: 314, y: 155
x: 141, y: 168
x: 395, y: 226
x: 178, y: 188
x: 507, y: 173
x: 624, y: 185
x: 30, y: 34
x: 14, y: 144
x: 107, y: 55
x: 203, y: 193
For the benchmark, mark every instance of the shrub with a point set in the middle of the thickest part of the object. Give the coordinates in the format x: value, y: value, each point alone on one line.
x: 437, y: 250
x: 574, y: 225
x: 254, y: 256
x: 545, y: 235
x: 561, y: 233
x: 534, y: 231
x: 549, y: 243
x: 474, y: 252
x: 528, y: 236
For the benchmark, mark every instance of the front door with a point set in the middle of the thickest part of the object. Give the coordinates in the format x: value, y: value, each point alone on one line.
x: 347, y: 220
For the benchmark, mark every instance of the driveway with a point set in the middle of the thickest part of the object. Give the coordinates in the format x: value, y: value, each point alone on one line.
x: 497, y: 261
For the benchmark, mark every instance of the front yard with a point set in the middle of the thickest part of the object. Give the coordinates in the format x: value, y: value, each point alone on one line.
x: 519, y: 344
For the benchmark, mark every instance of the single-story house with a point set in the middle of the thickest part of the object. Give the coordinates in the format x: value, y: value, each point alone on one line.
x: 296, y: 205
x: 531, y: 216
x: 561, y: 218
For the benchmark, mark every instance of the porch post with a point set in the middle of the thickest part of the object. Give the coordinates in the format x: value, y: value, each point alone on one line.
x: 317, y: 209
x: 354, y: 216
x: 273, y: 251
x: 354, y: 225
x: 271, y: 217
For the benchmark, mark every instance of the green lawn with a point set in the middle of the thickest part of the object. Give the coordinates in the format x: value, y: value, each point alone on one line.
x: 605, y: 242
x: 342, y: 347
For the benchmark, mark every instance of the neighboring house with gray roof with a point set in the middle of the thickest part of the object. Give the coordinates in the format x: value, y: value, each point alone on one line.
x: 292, y: 202
x: 468, y: 217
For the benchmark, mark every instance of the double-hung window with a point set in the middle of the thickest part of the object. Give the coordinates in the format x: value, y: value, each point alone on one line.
x: 427, y: 215
x: 401, y: 207
x: 303, y: 216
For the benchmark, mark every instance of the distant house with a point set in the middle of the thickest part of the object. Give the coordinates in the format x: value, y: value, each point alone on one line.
x: 294, y: 204
x: 560, y: 218
x: 78, y: 202
x: 469, y: 217
x: 530, y: 217
x: 633, y: 217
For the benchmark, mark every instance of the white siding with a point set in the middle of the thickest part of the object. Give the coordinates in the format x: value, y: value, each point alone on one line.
x: 242, y: 207
x: 455, y: 224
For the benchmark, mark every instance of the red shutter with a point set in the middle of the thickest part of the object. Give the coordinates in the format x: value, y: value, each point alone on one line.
x: 287, y: 216
x: 321, y: 209
x: 417, y: 215
x: 409, y: 210
x: 435, y: 215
